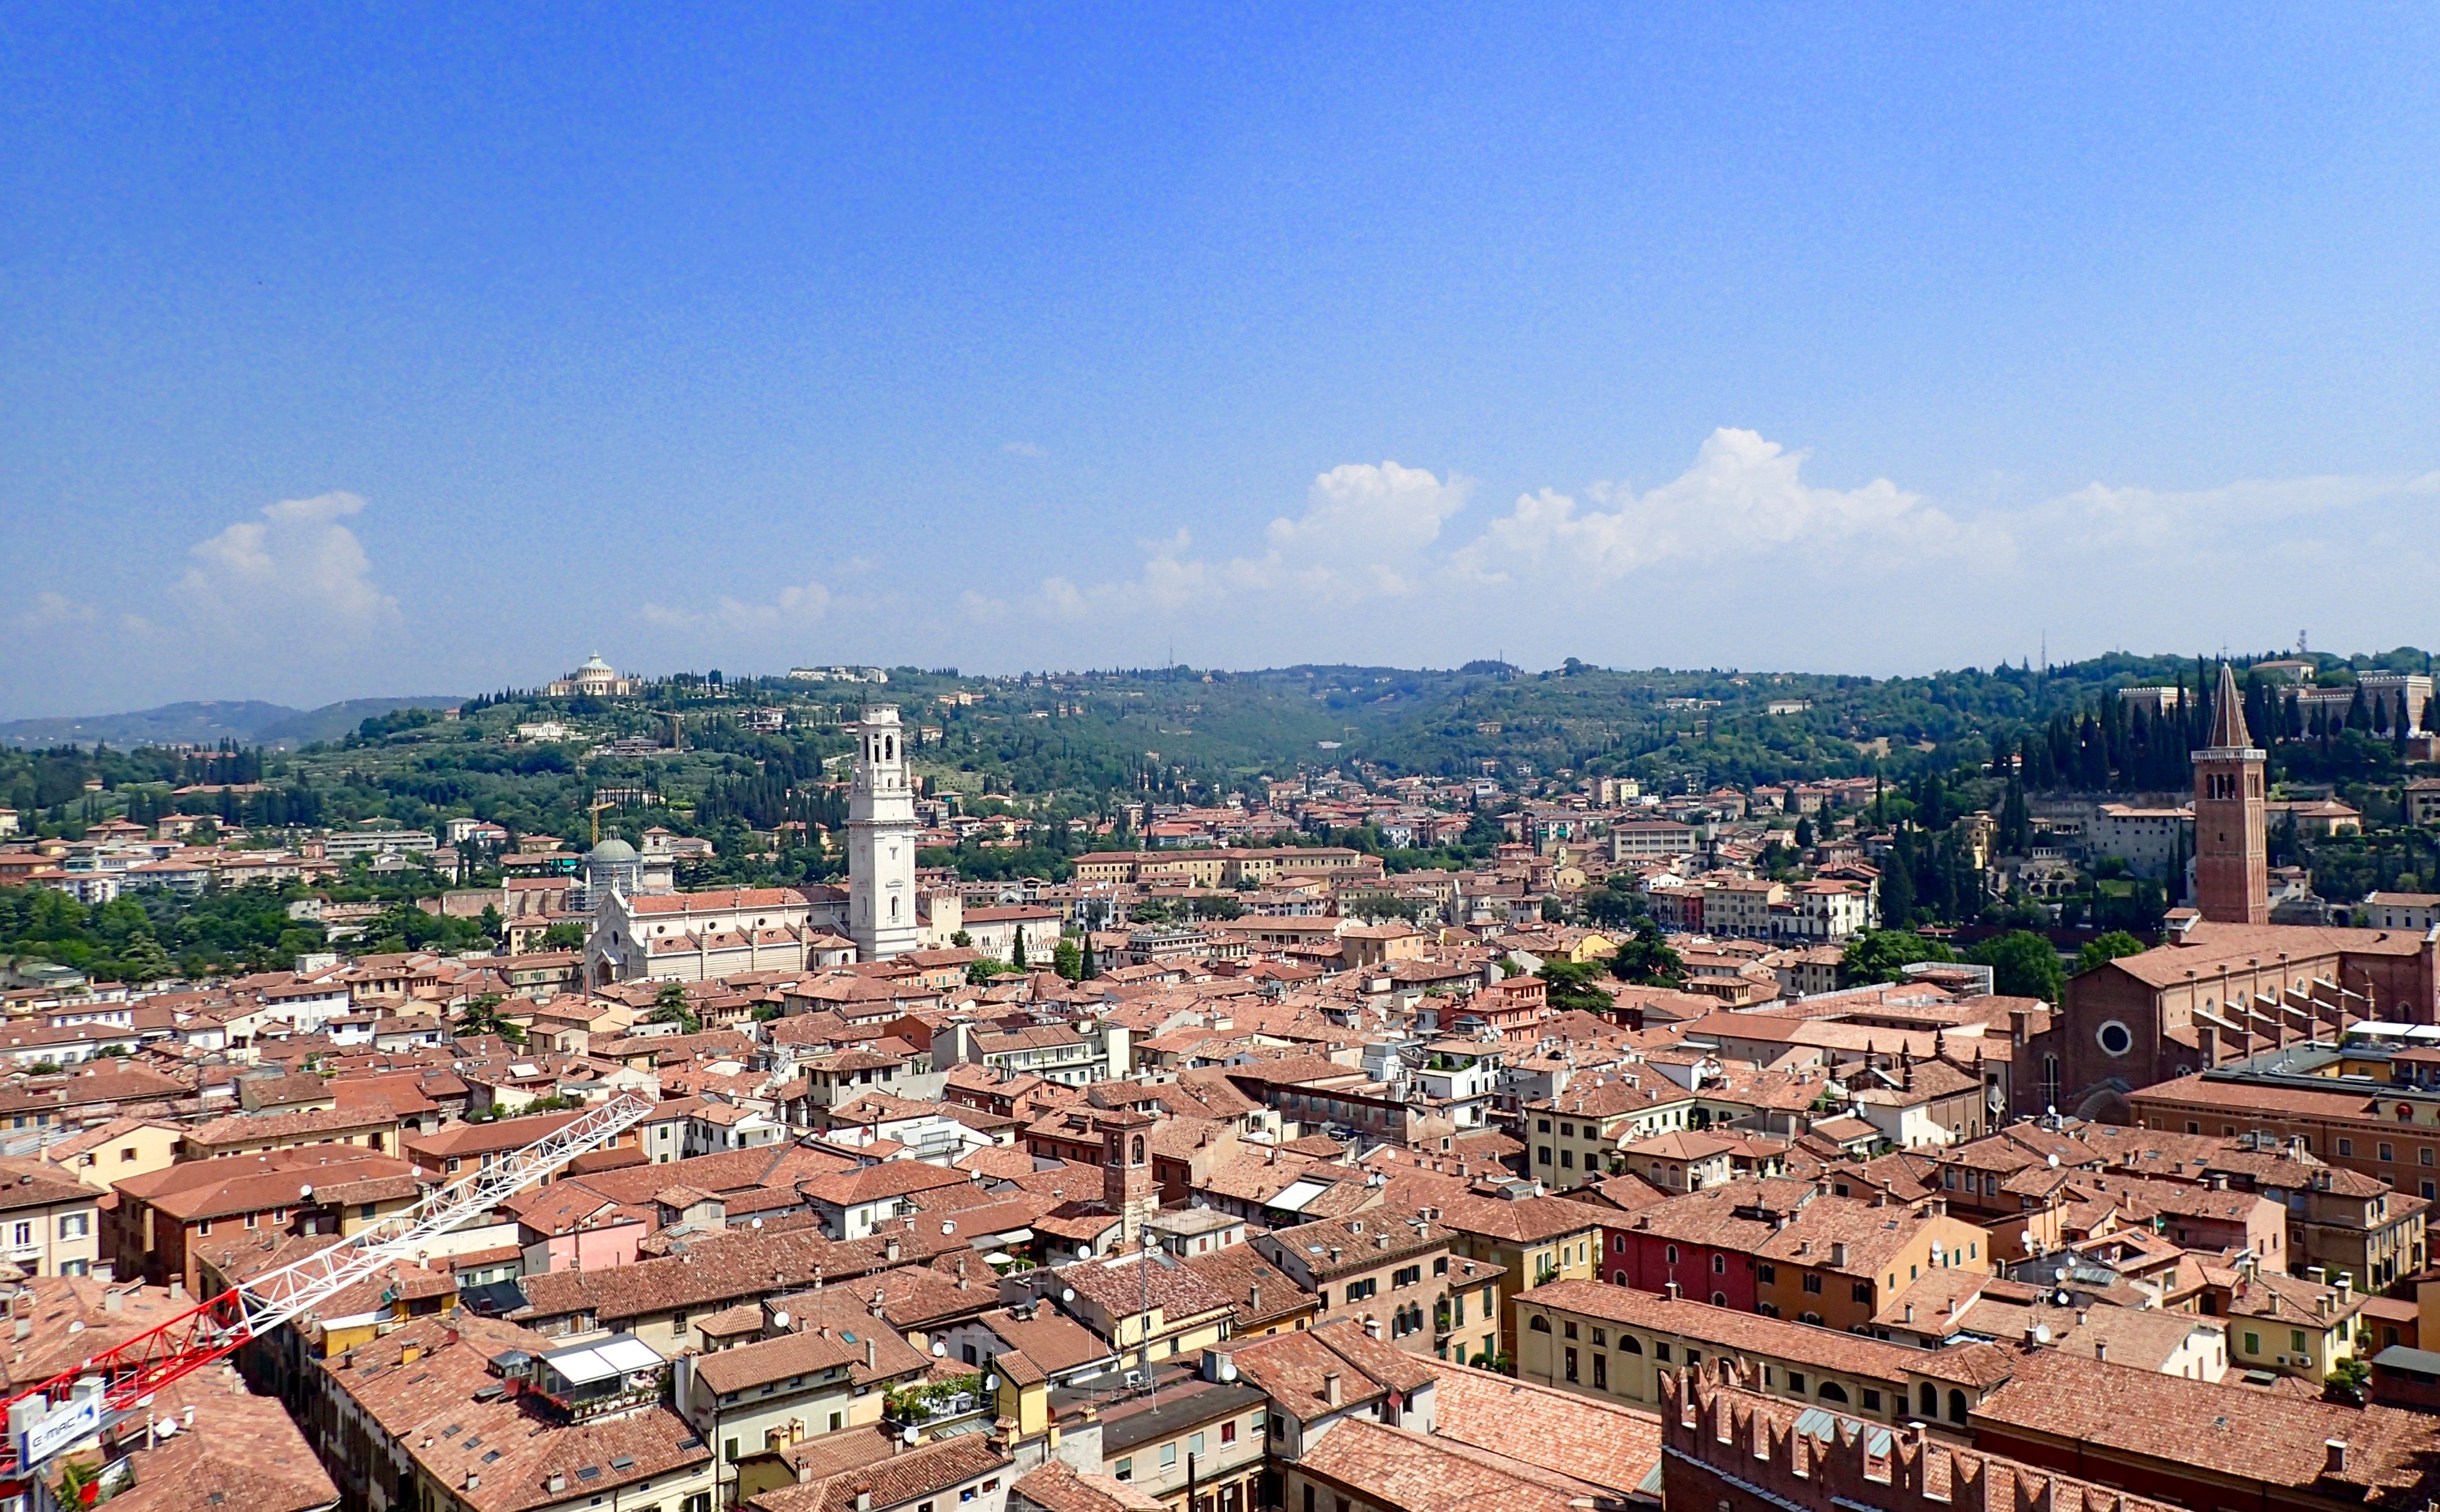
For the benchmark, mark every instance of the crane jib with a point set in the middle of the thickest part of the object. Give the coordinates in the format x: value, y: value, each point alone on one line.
x: 73, y: 1406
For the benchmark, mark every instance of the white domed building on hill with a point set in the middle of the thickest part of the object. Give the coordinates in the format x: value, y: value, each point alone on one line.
x: 595, y: 679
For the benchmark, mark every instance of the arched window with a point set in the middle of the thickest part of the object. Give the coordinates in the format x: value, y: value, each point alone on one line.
x: 1540, y: 1324
x: 1617, y: 1278
x: 1138, y: 1156
x: 1957, y: 1407
x: 1930, y: 1400
x: 1671, y: 1252
x: 1832, y: 1391
x: 1630, y: 1344
x: 1719, y: 1299
x: 1719, y: 1265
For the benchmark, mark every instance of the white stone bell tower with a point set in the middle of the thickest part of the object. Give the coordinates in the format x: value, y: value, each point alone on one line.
x: 881, y: 841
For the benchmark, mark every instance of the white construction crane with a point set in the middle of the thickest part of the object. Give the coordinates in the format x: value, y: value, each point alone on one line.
x: 77, y: 1404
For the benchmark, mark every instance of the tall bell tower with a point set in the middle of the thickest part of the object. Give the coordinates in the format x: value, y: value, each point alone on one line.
x: 2232, y: 852
x: 881, y: 841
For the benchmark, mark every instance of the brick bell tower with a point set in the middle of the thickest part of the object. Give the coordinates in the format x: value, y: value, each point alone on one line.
x: 1126, y: 1171
x: 2232, y: 858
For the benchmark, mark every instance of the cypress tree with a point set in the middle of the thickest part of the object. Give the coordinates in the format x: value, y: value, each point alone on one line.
x: 1897, y: 885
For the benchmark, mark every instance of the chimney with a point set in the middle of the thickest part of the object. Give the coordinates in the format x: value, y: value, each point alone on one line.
x: 871, y: 1353
x: 889, y: 1252
x: 1330, y: 1393
x: 1837, y: 1251
x: 558, y: 1481
x: 2030, y: 1340
x: 474, y: 1481
x: 1254, y: 1299
x: 1672, y: 1291
x: 2334, y: 1456
x: 2101, y: 1351
x: 864, y: 1499
x: 410, y: 1354
x: 113, y: 1302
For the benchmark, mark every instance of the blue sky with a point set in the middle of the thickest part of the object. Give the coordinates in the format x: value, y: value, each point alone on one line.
x: 347, y: 353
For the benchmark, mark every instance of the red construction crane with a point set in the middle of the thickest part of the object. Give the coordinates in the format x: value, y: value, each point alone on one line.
x: 77, y: 1404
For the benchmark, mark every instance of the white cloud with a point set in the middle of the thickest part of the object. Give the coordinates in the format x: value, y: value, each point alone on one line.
x: 297, y: 566
x: 1373, y: 515
x: 1743, y: 497
x: 798, y: 604
x: 51, y: 608
x: 1367, y: 532
x: 1025, y: 448
x: 2099, y: 515
x: 793, y: 608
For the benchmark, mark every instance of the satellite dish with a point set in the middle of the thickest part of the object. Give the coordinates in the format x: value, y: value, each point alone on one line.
x: 2042, y: 1333
x: 948, y: 1226
x: 780, y: 1320
x: 758, y: 1222
x: 306, y: 1193
x: 1066, y: 1293
x: 2026, y: 1238
x: 1083, y: 1252
x: 2055, y: 1163
x: 2061, y: 1298
x: 910, y: 1434
x: 991, y: 1383
x: 2060, y: 1274
x: 940, y: 1350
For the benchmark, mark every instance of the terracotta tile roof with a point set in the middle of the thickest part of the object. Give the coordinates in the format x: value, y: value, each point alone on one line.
x: 717, y: 1271
x: 939, y: 1466
x: 870, y: 1183
x: 508, y: 1449
x: 478, y: 1139
x: 1117, y: 1287
x: 243, y: 1129
x: 1420, y: 1473
x: 1728, y: 1328
x: 247, y: 1183
x: 1291, y: 1367
x: 242, y: 1447
x: 1518, y: 1221
x: 1258, y: 1291
x: 810, y: 1352
x: 1057, y: 1489
x: 1614, y: 1447
x: 2224, y: 1430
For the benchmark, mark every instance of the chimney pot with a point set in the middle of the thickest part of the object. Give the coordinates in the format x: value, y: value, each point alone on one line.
x: 1330, y: 1392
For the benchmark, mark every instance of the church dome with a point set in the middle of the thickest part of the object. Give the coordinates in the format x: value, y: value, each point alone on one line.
x: 611, y: 852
